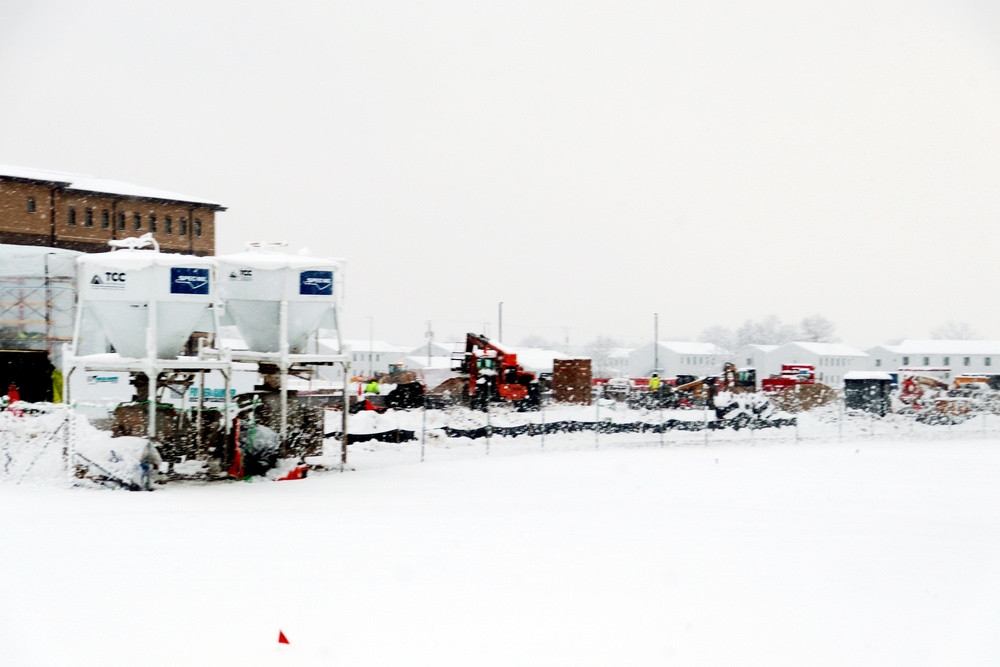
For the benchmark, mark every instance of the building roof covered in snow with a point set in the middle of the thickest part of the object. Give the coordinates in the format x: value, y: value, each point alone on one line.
x: 379, y: 346
x: 686, y: 347
x: 916, y: 347
x: 759, y: 348
x: 536, y: 360
x: 418, y: 362
x: 86, y: 184
x: 830, y: 349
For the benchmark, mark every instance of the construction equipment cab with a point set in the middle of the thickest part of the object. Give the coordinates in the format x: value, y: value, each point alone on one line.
x: 493, y: 375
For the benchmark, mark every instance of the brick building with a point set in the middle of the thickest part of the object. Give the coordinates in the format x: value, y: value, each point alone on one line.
x: 60, y: 210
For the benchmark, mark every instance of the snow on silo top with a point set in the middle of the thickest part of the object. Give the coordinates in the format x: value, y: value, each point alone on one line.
x: 253, y: 284
x: 121, y: 287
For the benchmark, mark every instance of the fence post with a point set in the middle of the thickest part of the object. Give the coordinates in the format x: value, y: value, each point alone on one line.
x: 423, y: 432
x: 542, y: 415
x: 489, y: 429
x: 840, y: 423
x: 705, y: 422
x: 68, y: 453
x: 597, y: 425
x: 661, y: 429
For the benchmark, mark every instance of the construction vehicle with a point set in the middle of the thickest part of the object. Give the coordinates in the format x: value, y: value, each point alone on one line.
x: 732, y: 396
x: 990, y: 381
x: 398, y: 374
x: 491, y: 374
x: 792, y: 375
x: 932, y: 401
x: 921, y: 391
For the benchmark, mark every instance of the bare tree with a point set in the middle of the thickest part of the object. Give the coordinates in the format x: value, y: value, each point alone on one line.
x: 538, y: 342
x: 768, y: 331
x: 718, y: 335
x: 599, y: 350
x: 817, y: 329
x: 954, y: 330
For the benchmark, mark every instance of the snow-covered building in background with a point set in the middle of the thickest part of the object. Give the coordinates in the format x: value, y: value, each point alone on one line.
x: 430, y: 352
x: 536, y: 360
x: 368, y: 357
x: 753, y: 356
x: 943, y: 358
x: 615, y: 364
x: 832, y: 360
x: 672, y: 358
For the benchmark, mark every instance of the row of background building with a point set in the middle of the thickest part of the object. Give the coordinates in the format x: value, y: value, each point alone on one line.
x: 82, y: 213
x: 944, y: 358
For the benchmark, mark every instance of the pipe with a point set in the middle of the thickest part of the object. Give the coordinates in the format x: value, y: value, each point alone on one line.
x: 343, y: 428
x: 152, y: 376
x: 201, y: 407
x: 283, y: 367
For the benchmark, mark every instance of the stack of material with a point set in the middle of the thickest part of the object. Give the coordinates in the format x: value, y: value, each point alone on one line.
x: 803, y: 397
x: 571, y: 381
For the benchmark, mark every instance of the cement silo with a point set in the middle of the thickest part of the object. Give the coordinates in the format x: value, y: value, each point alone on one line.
x: 274, y: 297
x: 277, y: 301
x: 148, y: 303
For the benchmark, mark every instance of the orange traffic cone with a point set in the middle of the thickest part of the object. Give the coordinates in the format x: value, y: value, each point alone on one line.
x: 282, y: 639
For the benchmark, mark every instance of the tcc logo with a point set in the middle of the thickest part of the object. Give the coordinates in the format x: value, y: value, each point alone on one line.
x: 112, y: 280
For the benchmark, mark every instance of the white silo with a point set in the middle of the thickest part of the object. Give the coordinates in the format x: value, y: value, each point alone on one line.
x: 255, y: 287
x: 148, y: 303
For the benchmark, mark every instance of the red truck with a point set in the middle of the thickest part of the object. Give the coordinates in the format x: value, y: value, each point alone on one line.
x: 791, y: 375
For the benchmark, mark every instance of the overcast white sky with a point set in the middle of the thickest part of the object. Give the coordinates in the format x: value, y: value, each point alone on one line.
x: 586, y: 163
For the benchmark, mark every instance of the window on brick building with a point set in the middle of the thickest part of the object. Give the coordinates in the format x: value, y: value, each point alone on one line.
x: 168, y: 225
x: 31, y: 204
x: 184, y: 226
x: 152, y: 223
x: 137, y: 221
x: 197, y: 227
x: 71, y: 217
x: 88, y: 217
x: 105, y: 220
x: 121, y: 221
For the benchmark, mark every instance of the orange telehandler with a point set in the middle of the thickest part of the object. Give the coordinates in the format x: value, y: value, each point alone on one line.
x: 493, y: 375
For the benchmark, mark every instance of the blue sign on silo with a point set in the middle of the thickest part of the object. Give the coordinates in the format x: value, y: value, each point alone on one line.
x: 316, y: 283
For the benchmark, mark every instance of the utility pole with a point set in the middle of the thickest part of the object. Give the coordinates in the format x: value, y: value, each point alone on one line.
x: 371, y: 346
x: 656, y: 342
x: 430, y: 338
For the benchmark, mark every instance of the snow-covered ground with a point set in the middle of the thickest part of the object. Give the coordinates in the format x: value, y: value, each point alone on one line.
x: 838, y: 547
